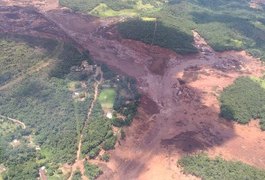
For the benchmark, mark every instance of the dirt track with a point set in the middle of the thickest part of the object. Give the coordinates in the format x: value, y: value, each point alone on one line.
x: 179, y: 111
x: 15, y: 121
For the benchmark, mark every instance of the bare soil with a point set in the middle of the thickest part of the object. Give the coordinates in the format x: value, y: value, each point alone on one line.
x: 255, y: 3
x: 179, y: 113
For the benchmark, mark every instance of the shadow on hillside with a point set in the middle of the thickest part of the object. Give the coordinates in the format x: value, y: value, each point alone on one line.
x: 245, y: 31
x: 157, y: 33
x: 243, y: 25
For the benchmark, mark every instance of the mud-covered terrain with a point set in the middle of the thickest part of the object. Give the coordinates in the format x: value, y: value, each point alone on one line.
x: 179, y: 110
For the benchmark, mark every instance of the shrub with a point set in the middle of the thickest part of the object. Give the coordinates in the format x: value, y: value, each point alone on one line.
x: 123, y: 135
x: 109, y: 143
x: 94, y: 152
x: 105, y: 157
x: 92, y: 171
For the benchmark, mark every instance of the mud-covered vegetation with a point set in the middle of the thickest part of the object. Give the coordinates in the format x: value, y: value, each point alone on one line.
x: 226, y: 25
x: 206, y: 168
x: 244, y: 100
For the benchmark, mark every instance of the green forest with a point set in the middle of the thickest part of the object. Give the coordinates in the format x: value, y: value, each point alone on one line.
x: 20, y: 53
x: 244, y: 100
x: 202, y: 166
x: 53, y: 103
x: 226, y: 25
x: 157, y: 33
x: 44, y: 103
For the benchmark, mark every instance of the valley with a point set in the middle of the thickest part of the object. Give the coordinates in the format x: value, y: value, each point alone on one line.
x: 179, y: 109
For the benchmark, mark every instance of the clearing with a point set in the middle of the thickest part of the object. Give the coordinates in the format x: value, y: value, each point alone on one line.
x: 107, y: 97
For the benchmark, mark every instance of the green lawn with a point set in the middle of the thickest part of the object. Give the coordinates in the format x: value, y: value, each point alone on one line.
x: 107, y: 98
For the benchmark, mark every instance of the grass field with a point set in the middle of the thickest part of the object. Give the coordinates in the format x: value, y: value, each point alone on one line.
x: 109, y: 8
x: 103, y: 10
x: 107, y: 98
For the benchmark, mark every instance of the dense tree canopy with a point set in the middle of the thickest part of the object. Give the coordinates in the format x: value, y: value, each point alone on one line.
x: 244, y: 100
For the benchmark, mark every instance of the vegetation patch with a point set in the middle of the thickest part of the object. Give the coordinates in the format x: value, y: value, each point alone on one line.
x: 77, y: 175
x: 244, y: 100
x: 226, y: 25
x: 202, y: 166
x: 50, y: 102
x: 148, y: 19
x: 108, y: 8
x: 157, y: 33
x: 44, y: 103
x: 103, y: 10
x: 98, y: 130
x: 119, y: 94
x: 18, y: 54
x: 7, y: 127
x: 107, y: 98
x: 92, y: 171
